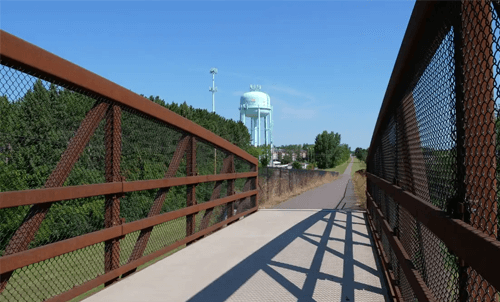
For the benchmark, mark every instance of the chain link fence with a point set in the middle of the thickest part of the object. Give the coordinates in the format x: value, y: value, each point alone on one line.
x: 437, y: 140
x: 91, y: 187
x: 278, y: 183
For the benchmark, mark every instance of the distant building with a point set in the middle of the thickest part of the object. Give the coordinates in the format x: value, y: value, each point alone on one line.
x: 277, y: 153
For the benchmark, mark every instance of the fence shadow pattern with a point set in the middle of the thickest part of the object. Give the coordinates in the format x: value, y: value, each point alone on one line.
x: 433, y: 187
x: 327, y: 274
x: 96, y: 180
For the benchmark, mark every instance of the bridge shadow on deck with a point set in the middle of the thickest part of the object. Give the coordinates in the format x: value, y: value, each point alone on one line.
x: 279, y: 271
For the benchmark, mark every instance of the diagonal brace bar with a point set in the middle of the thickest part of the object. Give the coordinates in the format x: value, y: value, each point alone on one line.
x: 161, y: 194
x: 34, y: 218
x: 226, y: 168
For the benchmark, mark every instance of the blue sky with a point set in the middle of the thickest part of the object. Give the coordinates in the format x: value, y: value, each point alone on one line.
x: 326, y: 65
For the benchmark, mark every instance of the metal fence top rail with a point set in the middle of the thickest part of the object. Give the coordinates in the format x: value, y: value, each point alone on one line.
x: 32, y: 59
x: 418, y: 36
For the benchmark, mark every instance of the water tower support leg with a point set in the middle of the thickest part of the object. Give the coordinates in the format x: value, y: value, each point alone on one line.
x: 256, y: 143
x: 258, y: 126
x: 265, y: 131
x: 251, y: 131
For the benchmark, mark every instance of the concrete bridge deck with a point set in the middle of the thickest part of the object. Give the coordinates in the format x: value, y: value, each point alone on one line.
x: 271, y: 255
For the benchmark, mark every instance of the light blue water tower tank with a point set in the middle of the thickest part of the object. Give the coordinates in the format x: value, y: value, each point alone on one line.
x: 256, y: 105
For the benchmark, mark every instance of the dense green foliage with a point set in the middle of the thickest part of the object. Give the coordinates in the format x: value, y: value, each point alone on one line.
x: 263, y: 153
x: 35, y: 130
x: 311, y: 166
x: 296, y: 165
x: 286, y: 159
x: 328, y: 150
x: 361, y: 154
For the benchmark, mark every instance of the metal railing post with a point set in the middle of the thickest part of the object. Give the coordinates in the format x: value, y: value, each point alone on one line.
x: 454, y: 206
x: 479, y: 137
x: 112, y: 202
x: 230, y: 189
x: 191, y: 189
x: 255, y: 181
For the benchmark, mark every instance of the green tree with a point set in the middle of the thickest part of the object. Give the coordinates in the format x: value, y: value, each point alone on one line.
x: 328, y: 151
x: 263, y: 153
x: 343, y: 154
x: 361, y: 154
x: 287, y: 158
x: 296, y: 165
x: 325, y: 149
x: 35, y: 129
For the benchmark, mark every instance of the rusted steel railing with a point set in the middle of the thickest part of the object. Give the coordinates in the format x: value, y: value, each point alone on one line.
x: 433, y: 187
x: 67, y: 233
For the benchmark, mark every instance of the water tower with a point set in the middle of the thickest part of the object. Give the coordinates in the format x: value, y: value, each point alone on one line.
x: 256, y: 105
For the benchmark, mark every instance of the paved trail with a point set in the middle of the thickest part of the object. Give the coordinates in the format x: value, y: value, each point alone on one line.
x: 272, y: 255
x: 288, y: 254
x: 338, y: 194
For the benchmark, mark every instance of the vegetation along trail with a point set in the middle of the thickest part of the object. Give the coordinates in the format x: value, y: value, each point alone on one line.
x: 338, y: 194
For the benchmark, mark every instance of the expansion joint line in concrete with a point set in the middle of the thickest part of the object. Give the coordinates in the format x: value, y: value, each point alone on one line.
x: 345, y: 191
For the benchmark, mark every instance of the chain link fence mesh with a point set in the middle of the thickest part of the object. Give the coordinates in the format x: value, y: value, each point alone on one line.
x: 57, y: 135
x: 439, y: 142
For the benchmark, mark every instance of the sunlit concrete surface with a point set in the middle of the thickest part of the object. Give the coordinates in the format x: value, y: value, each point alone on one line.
x: 338, y: 194
x: 272, y: 255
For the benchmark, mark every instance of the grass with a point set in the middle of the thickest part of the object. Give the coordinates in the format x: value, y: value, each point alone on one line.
x: 359, y: 182
x: 357, y: 165
x: 100, y: 287
x: 46, y: 279
x: 340, y: 168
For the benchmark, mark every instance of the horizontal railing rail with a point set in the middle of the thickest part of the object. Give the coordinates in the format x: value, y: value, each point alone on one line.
x: 12, y: 262
x: 467, y: 242
x: 122, y: 270
x: 31, y: 59
x: 36, y: 196
x: 433, y: 167
x: 98, y: 180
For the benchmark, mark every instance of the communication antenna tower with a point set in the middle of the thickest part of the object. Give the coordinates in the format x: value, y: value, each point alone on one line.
x: 213, y: 89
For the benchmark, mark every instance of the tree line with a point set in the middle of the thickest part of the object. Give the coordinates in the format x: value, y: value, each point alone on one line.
x: 327, y: 152
x: 35, y: 129
x: 361, y: 154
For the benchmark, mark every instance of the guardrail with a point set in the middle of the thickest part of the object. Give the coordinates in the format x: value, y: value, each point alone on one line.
x: 433, y: 188
x: 97, y: 180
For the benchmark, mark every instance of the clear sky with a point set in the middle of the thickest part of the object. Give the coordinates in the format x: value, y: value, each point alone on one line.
x: 326, y: 65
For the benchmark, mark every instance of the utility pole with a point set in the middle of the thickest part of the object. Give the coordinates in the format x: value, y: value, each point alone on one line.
x: 213, y: 89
